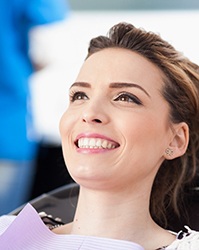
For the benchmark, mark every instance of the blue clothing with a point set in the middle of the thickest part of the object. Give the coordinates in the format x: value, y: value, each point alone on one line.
x: 16, y: 180
x: 17, y: 141
x: 17, y: 17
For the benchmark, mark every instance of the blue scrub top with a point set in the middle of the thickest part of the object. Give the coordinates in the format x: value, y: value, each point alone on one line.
x: 17, y: 17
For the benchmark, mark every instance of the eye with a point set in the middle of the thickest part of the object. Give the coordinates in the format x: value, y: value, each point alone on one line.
x: 128, y: 97
x: 75, y: 96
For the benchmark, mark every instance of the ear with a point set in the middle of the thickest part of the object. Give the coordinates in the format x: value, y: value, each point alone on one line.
x: 179, y: 142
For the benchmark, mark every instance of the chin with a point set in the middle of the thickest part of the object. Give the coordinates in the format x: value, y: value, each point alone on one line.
x: 90, y: 179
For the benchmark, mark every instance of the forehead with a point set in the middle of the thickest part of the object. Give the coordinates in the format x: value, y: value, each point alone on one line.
x: 118, y: 64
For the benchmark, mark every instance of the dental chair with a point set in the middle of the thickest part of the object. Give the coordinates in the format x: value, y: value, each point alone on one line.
x: 62, y: 202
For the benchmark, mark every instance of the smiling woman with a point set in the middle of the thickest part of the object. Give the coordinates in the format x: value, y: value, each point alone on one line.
x: 130, y: 139
x: 131, y: 134
x: 110, y: 110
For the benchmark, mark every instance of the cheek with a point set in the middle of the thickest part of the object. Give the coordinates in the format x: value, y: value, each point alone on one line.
x: 146, y: 134
x: 134, y: 128
x: 62, y: 123
x: 65, y: 123
x: 65, y: 128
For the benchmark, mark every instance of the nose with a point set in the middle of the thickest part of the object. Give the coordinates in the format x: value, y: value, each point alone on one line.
x: 95, y: 114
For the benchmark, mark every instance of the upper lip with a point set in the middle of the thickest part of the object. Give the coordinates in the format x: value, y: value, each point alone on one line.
x: 96, y: 136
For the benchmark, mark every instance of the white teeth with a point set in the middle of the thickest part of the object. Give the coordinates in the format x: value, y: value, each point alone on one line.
x: 95, y: 143
x: 92, y: 143
x: 104, y: 144
x: 98, y: 143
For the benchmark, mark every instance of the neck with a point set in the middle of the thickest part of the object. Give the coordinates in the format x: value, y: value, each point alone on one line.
x: 120, y: 215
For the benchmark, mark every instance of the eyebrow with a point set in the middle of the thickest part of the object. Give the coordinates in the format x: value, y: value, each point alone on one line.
x: 113, y: 85
x: 81, y: 84
x: 128, y: 85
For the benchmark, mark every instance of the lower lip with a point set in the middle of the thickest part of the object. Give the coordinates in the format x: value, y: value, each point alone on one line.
x: 93, y: 150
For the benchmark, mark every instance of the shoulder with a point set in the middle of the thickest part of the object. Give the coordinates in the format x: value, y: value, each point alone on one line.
x: 186, y: 239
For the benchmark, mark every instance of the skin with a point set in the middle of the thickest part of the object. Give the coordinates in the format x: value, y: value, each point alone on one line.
x: 117, y: 99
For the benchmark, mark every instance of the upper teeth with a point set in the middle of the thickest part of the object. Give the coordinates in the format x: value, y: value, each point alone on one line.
x: 95, y: 143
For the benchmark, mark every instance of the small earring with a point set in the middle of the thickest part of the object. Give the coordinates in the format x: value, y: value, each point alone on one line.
x: 169, y: 152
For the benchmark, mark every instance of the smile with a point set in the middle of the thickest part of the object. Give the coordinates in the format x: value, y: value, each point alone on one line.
x: 96, y: 143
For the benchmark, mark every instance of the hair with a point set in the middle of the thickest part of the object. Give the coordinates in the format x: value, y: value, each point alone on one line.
x: 181, y: 91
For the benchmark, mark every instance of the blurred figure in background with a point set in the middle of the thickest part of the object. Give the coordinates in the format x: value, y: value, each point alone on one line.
x: 18, y: 143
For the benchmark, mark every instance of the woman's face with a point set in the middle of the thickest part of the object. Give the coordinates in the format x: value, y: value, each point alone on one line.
x: 116, y: 128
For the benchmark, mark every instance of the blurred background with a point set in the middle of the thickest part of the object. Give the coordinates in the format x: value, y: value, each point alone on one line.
x: 62, y: 47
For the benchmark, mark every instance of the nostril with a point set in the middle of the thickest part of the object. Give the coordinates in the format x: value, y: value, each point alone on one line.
x: 93, y: 120
x: 97, y: 120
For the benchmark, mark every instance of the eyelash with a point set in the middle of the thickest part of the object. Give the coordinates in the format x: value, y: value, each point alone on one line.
x: 74, y: 96
x: 130, y: 97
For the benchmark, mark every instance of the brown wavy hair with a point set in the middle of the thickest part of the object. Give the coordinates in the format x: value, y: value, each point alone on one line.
x: 181, y: 91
